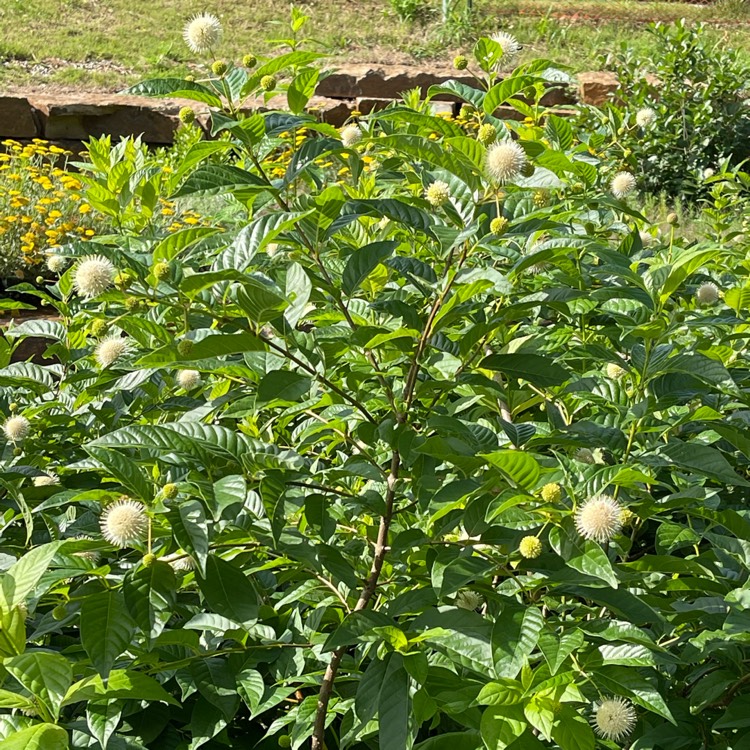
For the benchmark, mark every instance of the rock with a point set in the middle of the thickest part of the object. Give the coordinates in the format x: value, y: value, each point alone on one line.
x: 385, y: 81
x: 596, y: 88
x: 18, y: 118
x: 79, y: 117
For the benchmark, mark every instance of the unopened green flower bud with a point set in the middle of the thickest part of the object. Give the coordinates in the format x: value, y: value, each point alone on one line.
x: 98, y: 327
x: 170, y: 491
x: 498, y: 225
x: 249, y: 61
x: 219, y: 67
x: 161, y: 270
x: 13, y: 406
x: 672, y: 219
x: 185, y: 347
x: 460, y: 62
x: 541, y: 199
x: 123, y: 280
x: 528, y: 169
x: 187, y: 115
x: 285, y: 740
x: 132, y: 304
x: 149, y: 559
x: 60, y: 612
x: 268, y: 83
x: 190, y: 78
x: 487, y: 134
x: 40, y: 279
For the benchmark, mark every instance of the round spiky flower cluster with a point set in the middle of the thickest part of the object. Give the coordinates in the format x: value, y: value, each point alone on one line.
x: 16, y: 428
x: 438, y: 193
x: 530, y: 547
x: 552, y: 493
x: 505, y: 161
x: 510, y: 45
x: 707, y: 293
x: 622, y: 185
x: 124, y: 522
x: 94, y: 274
x: 111, y: 349
x: 614, y: 371
x: 460, y: 62
x: 599, y: 518
x: 645, y: 117
x: 268, y: 83
x: 56, y: 263
x: 613, y: 718
x: 188, y: 379
x: 350, y: 135
x: 202, y: 33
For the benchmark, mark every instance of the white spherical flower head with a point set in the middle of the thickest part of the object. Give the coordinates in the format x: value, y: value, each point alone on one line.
x: 438, y: 193
x: 188, y: 379
x: 56, y: 263
x: 613, y: 718
x: 614, y: 371
x: 46, y: 480
x: 112, y: 349
x: 585, y: 456
x: 510, y: 45
x: 182, y: 562
x: 707, y: 293
x: 350, y: 135
x: 646, y: 238
x: 708, y: 173
x: 505, y: 160
x: 16, y: 428
x: 202, y: 33
x: 622, y: 185
x: 645, y: 117
x: 94, y: 274
x: 599, y: 518
x: 124, y: 522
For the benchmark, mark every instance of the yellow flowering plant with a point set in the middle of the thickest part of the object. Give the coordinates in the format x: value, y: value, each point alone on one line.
x: 41, y: 206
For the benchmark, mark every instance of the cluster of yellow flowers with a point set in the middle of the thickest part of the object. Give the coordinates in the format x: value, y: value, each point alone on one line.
x: 181, y: 219
x: 41, y: 204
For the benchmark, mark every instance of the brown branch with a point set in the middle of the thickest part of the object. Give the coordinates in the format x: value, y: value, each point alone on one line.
x: 371, y: 584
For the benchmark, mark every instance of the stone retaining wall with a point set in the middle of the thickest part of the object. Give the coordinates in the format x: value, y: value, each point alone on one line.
x: 72, y: 118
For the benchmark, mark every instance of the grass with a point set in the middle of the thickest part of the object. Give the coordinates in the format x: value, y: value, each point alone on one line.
x: 106, y: 45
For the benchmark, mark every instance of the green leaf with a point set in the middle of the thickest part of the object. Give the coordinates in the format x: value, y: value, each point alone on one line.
x: 125, y: 470
x: 534, y: 368
x: 501, y: 725
x: 46, y: 675
x: 24, y: 575
x: 228, y: 591
x: 122, y: 684
x: 283, y: 385
x: 190, y: 530
x: 557, y: 649
x: 102, y: 719
x: 363, y: 261
x: 514, y: 637
x: 394, y: 706
x: 176, y: 88
x: 573, y: 732
x: 170, y: 247
x: 106, y: 629
x: 628, y: 682
x: 301, y: 89
x: 522, y: 468
x: 37, y: 737
x: 150, y: 595
x: 214, y: 179
x: 502, y: 692
x: 501, y: 92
